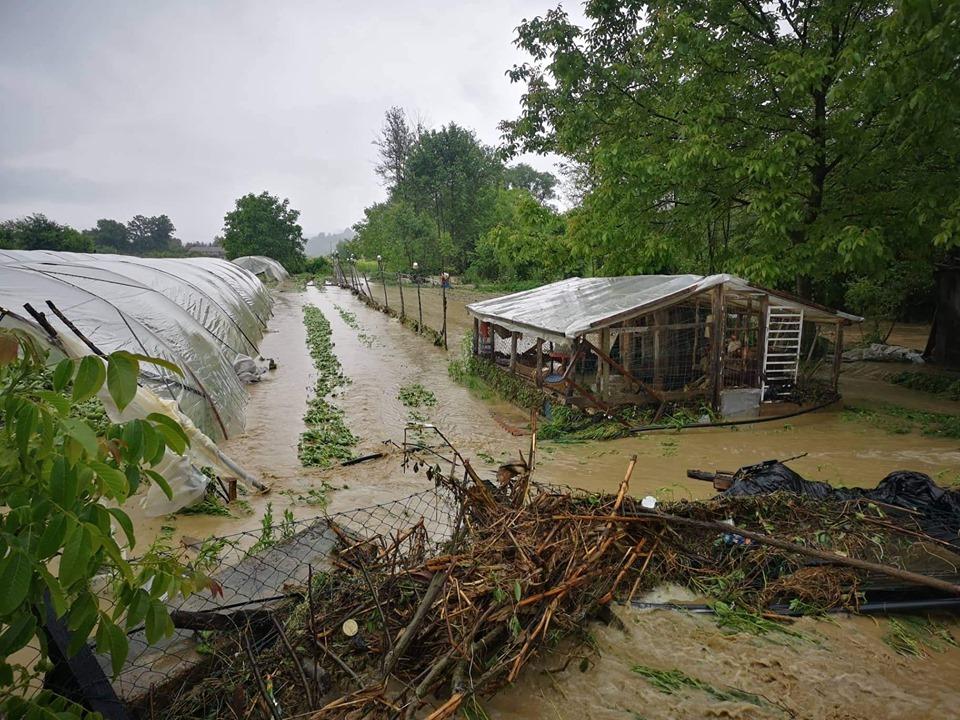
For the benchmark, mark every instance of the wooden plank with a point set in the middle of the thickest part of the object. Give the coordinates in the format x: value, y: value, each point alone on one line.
x: 513, y: 350
x: 476, y: 335
x: 717, y: 331
x: 539, y: 375
x: 603, y: 368
x: 837, y: 357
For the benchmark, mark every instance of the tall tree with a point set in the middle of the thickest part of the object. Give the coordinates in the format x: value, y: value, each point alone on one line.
x: 109, y: 236
x: 454, y: 178
x: 542, y: 185
x: 264, y: 225
x: 395, y: 142
x: 152, y: 234
x: 38, y: 232
x: 777, y: 140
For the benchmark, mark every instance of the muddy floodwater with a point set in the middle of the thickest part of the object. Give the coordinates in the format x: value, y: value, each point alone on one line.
x: 840, y: 669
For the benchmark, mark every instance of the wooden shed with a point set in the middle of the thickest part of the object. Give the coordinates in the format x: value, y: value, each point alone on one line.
x: 713, y: 340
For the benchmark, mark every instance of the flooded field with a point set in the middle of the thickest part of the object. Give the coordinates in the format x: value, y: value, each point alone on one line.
x: 841, y: 668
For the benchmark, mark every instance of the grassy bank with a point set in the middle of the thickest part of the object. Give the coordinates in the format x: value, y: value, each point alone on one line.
x: 327, y: 438
x: 945, y: 386
x: 901, y: 421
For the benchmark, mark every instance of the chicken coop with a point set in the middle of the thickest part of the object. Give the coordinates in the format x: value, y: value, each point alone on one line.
x: 716, y: 341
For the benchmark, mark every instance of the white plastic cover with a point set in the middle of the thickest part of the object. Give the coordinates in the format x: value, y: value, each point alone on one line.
x: 203, y: 315
x: 262, y: 266
x: 575, y: 306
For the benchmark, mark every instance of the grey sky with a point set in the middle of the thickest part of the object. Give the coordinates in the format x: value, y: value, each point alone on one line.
x: 115, y: 108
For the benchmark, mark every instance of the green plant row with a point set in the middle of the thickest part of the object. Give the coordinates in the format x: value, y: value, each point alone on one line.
x: 944, y: 385
x: 327, y: 438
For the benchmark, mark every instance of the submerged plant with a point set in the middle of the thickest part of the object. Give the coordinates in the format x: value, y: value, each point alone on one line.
x: 327, y: 437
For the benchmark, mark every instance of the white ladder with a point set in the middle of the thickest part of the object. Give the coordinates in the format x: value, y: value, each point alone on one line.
x: 781, y: 357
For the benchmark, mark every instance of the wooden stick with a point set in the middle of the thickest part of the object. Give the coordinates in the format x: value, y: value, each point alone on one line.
x: 406, y: 637
x: 889, y: 570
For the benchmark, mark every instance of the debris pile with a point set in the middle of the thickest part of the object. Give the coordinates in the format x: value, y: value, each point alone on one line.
x: 405, y: 626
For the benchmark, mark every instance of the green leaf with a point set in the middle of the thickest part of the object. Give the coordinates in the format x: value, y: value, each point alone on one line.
x: 82, y: 433
x: 18, y: 634
x: 122, y: 372
x: 76, y: 556
x: 113, y: 478
x: 9, y: 349
x: 63, y: 484
x: 113, y: 641
x: 173, y: 367
x: 26, y: 423
x: 161, y: 482
x: 63, y: 374
x: 89, y: 379
x: 57, y: 596
x: 133, y: 437
x: 517, y: 592
x: 81, y: 619
x: 123, y: 520
x: 173, y: 434
x: 60, y: 403
x: 137, y: 609
x: 16, y: 571
x: 158, y: 623
x: 53, y: 536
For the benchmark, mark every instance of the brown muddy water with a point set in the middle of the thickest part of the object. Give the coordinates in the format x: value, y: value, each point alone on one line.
x: 840, y: 670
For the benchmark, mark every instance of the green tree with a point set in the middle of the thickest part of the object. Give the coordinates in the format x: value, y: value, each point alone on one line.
x: 454, y: 178
x: 395, y: 143
x: 63, y: 481
x: 782, y: 141
x: 264, y: 225
x: 152, y: 235
x: 37, y: 232
x: 109, y: 236
x: 542, y: 185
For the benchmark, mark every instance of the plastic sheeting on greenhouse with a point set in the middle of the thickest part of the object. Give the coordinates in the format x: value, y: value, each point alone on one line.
x: 263, y: 267
x: 572, y: 307
x: 204, y: 315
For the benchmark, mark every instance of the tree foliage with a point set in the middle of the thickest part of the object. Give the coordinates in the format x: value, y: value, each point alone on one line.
x: 786, y: 142
x: 264, y: 225
x: 63, y: 481
x: 37, y: 232
x: 151, y: 235
x: 447, y: 191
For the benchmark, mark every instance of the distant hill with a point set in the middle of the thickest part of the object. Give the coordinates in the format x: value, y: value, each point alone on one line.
x: 326, y: 243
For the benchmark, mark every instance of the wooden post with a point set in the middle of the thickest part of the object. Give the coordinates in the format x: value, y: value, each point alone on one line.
x: 386, y: 302
x: 717, y: 330
x: 443, y: 290
x: 659, y: 319
x: 513, y: 351
x: 403, y: 314
x: 539, y: 376
x: 603, y: 368
x: 837, y: 357
x: 762, y: 339
x: 231, y: 489
x: 367, y: 283
x: 419, y: 306
x: 476, y: 336
x: 626, y: 349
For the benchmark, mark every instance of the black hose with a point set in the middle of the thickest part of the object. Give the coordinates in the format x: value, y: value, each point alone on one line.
x: 868, y: 608
x: 726, y: 423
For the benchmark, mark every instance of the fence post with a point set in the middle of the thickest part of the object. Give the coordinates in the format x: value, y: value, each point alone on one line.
x: 443, y: 290
x: 419, y: 306
x: 386, y: 302
x: 403, y: 314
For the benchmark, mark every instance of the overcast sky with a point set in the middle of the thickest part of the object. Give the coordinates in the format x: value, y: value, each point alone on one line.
x: 109, y: 109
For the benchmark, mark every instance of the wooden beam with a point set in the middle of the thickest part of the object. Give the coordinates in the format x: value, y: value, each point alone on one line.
x: 538, y: 378
x: 476, y: 336
x: 837, y: 357
x: 658, y: 350
x: 717, y: 331
x: 603, y: 368
x: 513, y: 350
x: 762, y: 339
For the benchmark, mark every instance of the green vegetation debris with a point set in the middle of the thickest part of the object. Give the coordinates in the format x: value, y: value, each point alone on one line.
x: 902, y: 421
x: 673, y: 682
x: 416, y: 395
x: 915, y: 635
x: 943, y: 385
x: 327, y: 438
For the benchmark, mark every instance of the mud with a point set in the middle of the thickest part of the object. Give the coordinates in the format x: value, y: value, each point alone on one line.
x: 844, y: 672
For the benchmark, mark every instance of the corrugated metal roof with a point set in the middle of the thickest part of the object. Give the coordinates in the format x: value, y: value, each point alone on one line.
x: 572, y: 307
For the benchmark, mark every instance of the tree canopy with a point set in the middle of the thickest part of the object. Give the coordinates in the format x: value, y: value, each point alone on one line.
x: 798, y: 144
x: 37, y: 232
x: 264, y: 225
